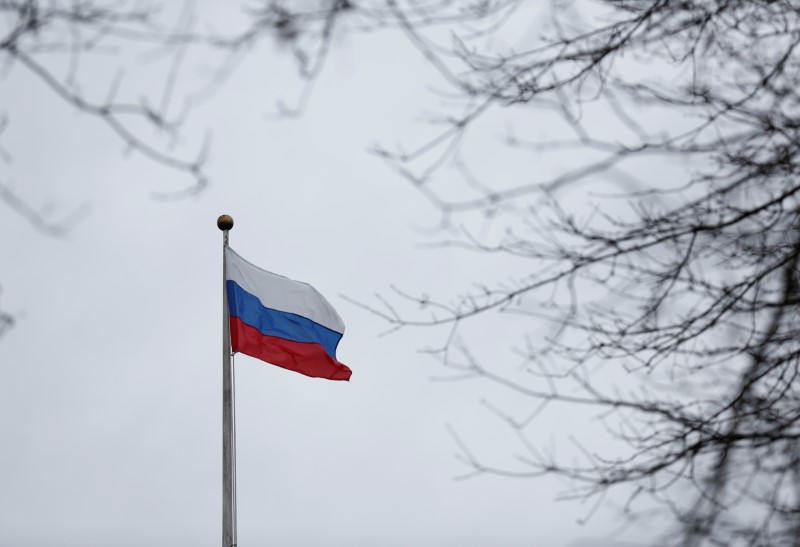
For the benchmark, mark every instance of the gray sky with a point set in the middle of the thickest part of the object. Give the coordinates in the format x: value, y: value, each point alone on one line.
x: 110, y: 410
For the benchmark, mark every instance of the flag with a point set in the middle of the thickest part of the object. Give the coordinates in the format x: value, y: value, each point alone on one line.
x: 281, y: 321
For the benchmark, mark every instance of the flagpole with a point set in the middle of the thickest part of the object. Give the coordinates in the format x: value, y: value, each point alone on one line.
x: 225, y: 223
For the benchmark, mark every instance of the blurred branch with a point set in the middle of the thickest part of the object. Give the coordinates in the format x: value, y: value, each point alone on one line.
x: 688, y: 295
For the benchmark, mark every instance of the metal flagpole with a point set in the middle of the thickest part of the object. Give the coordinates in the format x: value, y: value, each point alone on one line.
x: 225, y: 223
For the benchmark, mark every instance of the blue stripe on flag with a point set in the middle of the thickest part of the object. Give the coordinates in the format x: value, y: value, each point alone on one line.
x: 282, y: 324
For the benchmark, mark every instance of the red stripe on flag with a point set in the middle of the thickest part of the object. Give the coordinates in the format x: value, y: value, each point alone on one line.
x: 303, y: 357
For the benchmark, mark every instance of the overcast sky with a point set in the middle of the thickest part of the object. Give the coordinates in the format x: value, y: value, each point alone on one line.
x: 110, y: 381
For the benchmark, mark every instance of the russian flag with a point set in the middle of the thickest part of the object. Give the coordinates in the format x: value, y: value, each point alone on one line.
x: 281, y: 321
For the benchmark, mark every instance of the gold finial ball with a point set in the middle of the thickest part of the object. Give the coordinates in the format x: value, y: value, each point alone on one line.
x: 225, y: 222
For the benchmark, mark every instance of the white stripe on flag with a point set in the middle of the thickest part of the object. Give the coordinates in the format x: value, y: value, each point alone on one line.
x: 281, y: 293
